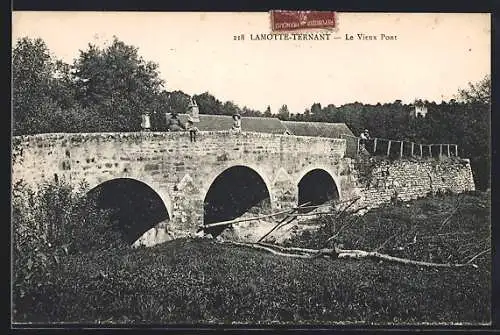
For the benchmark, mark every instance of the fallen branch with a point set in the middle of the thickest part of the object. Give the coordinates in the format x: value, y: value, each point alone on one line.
x: 290, y: 210
x: 229, y: 222
x: 385, y: 242
x: 333, y: 237
x: 283, y: 222
x: 479, y: 254
x: 287, y: 221
x: 446, y: 234
x: 377, y: 255
x: 226, y: 223
x: 342, y: 253
x: 445, y: 221
x: 280, y: 224
x: 311, y: 207
x: 352, y: 202
x: 287, y: 248
x: 265, y: 248
x: 312, y: 214
x: 357, y: 210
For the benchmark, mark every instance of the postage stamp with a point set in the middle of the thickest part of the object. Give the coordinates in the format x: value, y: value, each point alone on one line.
x: 283, y: 20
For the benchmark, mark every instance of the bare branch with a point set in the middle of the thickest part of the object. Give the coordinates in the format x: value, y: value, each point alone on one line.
x: 284, y: 221
x: 385, y: 242
x: 341, y: 253
x: 479, y: 254
x: 445, y: 221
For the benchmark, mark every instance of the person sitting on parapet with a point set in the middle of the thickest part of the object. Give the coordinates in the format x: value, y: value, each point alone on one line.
x: 365, y: 136
x: 174, y: 124
x: 192, y: 129
x: 236, y: 123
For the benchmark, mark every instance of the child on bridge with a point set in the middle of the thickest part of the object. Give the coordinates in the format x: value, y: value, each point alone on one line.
x: 174, y: 124
x: 192, y: 129
x: 236, y: 123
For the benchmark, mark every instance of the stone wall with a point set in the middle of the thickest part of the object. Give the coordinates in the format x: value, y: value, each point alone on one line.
x: 381, y: 179
x: 179, y: 171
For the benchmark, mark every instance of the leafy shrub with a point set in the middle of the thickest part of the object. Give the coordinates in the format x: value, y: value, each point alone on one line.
x: 48, y: 225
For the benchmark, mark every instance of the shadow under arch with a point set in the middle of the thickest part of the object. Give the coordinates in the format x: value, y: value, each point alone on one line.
x: 134, y: 205
x: 318, y: 187
x: 235, y: 191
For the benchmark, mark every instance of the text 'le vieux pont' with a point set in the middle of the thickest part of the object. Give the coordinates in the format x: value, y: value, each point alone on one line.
x: 314, y: 37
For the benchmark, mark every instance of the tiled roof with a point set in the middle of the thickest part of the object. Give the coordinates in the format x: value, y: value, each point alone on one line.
x: 319, y: 129
x: 248, y: 123
x: 271, y: 125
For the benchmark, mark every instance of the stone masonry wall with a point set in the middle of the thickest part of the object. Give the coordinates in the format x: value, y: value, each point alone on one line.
x: 179, y: 171
x: 381, y: 180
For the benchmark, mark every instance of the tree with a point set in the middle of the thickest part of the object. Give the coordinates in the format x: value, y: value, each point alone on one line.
x: 474, y: 124
x: 250, y: 112
x: 230, y: 108
x: 316, y: 111
x: 268, y: 113
x: 477, y: 93
x: 41, y: 86
x: 118, y: 82
x: 283, y: 113
x: 176, y: 101
x: 208, y: 104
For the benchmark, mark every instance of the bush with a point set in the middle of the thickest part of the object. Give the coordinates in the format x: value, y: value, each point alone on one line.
x: 49, y: 224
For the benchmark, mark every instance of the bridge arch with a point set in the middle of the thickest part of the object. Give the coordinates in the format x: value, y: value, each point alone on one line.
x: 136, y: 206
x: 233, y: 191
x: 262, y: 174
x: 144, y: 179
x: 317, y: 185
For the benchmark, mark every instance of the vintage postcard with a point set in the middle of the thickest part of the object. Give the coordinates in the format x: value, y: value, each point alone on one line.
x: 283, y: 167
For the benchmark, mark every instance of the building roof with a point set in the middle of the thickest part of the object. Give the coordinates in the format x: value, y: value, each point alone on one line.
x: 318, y: 129
x: 271, y: 126
x: 248, y: 123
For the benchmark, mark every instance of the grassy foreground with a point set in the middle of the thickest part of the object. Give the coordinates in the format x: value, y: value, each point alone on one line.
x: 201, y: 281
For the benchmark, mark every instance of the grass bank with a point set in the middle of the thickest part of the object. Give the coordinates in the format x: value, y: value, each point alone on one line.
x: 201, y: 281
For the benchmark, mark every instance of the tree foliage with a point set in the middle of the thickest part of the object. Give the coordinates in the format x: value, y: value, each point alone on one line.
x: 283, y: 113
x: 477, y: 93
x: 267, y: 112
x: 118, y: 82
x: 41, y: 87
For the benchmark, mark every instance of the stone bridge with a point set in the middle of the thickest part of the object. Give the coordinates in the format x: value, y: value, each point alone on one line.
x: 166, y: 178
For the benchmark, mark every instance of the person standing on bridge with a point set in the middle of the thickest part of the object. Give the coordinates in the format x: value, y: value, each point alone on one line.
x: 236, y: 123
x: 174, y: 124
x: 192, y: 129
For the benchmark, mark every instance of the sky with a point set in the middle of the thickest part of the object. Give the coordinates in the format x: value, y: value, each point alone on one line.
x: 433, y: 56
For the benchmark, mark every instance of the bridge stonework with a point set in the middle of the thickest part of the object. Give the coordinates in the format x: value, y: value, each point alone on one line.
x: 181, y: 172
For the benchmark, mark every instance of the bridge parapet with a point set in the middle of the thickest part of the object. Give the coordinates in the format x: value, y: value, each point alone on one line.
x: 178, y: 142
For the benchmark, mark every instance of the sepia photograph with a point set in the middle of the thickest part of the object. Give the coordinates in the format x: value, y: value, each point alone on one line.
x: 251, y: 168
